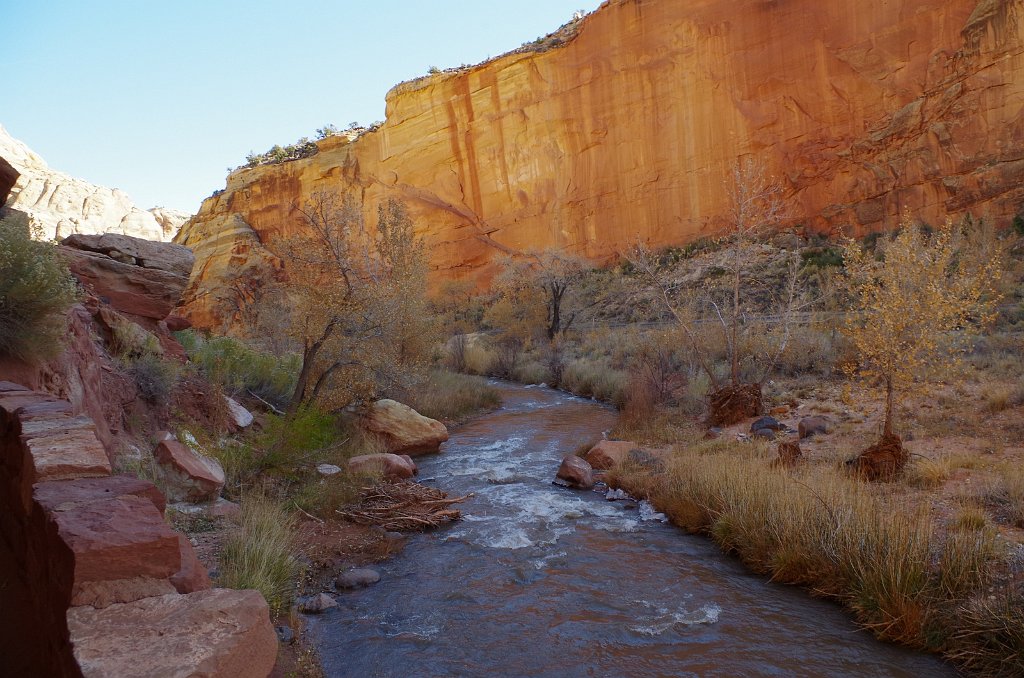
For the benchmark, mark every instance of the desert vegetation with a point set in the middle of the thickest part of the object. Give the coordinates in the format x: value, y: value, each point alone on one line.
x: 35, y: 291
x: 912, y: 337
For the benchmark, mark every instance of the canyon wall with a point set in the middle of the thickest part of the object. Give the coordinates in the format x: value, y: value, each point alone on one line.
x: 624, y: 127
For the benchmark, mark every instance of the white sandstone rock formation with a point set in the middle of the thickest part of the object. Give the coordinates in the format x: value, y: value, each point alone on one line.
x: 63, y: 204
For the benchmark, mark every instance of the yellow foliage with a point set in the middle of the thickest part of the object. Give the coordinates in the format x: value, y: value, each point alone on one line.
x: 916, y: 304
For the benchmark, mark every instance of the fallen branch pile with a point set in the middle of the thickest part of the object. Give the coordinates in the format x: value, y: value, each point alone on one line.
x: 403, y: 507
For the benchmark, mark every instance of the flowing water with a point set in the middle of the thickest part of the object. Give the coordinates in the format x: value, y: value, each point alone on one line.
x: 537, y: 580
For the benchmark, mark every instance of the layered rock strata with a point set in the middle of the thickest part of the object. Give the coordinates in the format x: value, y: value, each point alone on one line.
x: 628, y: 129
x: 95, y: 581
x: 63, y: 205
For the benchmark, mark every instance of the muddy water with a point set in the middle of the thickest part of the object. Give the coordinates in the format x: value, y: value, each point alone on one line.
x: 541, y: 581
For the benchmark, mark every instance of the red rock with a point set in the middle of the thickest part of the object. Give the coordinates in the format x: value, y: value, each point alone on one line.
x: 403, y: 429
x: 143, y: 292
x: 176, y: 323
x: 575, y: 472
x: 193, y: 575
x: 609, y: 453
x: 64, y: 494
x: 150, y: 254
x: 214, y: 633
x: 919, y: 108
x: 187, y: 475
x: 62, y: 448
x: 390, y: 466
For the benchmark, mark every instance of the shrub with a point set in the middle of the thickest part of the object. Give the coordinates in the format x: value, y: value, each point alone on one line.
x: 154, y: 377
x: 35, y: 291
x: 239, y: 368
x: 593, y: 379
x: 282, y: 447
x: 259, y: 554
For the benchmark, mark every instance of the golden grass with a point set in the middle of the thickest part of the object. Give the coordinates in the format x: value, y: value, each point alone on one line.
x: 858, y: 543
x: 258, y: 555
x: 450, y: 396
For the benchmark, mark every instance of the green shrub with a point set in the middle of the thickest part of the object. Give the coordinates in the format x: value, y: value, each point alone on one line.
x: 239, y: 368
x: 35, y: 291
x: 259, y: 554
x: 283, y: 447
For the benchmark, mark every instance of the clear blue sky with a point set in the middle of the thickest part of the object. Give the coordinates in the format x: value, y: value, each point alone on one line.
x: 159, y: 98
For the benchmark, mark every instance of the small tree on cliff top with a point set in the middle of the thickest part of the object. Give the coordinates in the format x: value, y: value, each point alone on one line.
x: 917, y: 305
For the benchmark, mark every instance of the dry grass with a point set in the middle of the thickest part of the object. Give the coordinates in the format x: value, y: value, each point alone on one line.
x: 1007, y: 493
x: 930, y: 472
x: 452, y: 397
x: 259, y: 554
x: 847, y: 540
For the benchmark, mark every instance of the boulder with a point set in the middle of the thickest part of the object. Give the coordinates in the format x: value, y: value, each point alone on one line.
x: 575, y: 472
x: 66, y: 494
x: 763, y: 434
x: 402, y: 429
x: 163, y: 256
x: 357, y: 579
x: 391, y: 466
x: 608, y: 453
x: 810, y: 426
x: 175, y: 323
x: 188, y: 476
x: 240, y: 417
x: 147, y: 293
x: 316, y: 604
x: 770, y: 423
x: 218, y: 632
x: 122, y: 546
x: 192, y: 576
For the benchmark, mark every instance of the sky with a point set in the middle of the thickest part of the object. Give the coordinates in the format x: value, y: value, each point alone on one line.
x: 160, y: 98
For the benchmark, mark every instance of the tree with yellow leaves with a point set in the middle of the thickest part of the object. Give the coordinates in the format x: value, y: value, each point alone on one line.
x: 359, y: 307
x: 916, y: 304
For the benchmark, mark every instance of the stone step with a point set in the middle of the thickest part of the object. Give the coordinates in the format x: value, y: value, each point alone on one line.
x: 123, y: 549
x: 219, y: 632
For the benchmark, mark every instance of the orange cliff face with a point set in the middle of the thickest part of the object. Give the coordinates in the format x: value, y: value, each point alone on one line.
x: 628, y: 131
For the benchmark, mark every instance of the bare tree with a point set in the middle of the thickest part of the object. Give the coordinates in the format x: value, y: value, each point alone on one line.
x: 540, y: 287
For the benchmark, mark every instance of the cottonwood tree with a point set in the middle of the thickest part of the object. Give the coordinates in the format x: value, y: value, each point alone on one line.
x: 359, y: 310
x: 539, y: 290
x: 756, y: 204
x: 917, y: 305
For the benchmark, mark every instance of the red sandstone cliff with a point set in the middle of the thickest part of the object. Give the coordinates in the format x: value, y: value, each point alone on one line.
x: 628, y: 129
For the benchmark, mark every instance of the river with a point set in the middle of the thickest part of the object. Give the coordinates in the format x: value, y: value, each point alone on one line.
x: 537, y: 580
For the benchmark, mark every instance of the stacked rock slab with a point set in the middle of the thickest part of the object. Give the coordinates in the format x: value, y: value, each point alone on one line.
x: 84, y: 550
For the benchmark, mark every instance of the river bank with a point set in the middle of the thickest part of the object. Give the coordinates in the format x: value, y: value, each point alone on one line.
x: 933, y: 560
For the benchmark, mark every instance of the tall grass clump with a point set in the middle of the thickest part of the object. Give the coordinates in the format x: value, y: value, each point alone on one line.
x: 450, y: 396
x: 240, y: 368
x: 595, y: 379
x: 258, y: 555
x: 36, y: 290
x: 815, y: 527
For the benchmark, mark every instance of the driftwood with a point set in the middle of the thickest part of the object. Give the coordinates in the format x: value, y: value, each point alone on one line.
x: 403, y: 507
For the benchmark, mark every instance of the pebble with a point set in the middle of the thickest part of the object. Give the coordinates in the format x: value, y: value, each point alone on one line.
x: 285, y: 634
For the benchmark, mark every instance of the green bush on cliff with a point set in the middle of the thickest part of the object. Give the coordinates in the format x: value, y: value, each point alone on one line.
x: 35, y: 291
x: 239, y: 368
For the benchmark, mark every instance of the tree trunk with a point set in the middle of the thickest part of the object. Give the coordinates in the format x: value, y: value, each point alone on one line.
x: 736, y: 322
x: 308, y: 358
x: 555, y: 326
x: 887, y: 429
